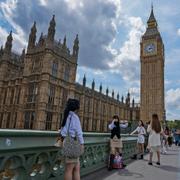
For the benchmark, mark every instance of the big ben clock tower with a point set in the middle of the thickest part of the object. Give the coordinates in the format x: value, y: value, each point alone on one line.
x: 152, y: 72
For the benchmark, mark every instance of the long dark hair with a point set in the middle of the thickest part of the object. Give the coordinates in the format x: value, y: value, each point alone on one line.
x: 71, y: 105
x: 142, y: 124
x: 155, y: 124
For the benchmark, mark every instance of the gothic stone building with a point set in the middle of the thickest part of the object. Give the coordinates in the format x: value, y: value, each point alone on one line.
x: 152, y: 72
x: 35, y: 85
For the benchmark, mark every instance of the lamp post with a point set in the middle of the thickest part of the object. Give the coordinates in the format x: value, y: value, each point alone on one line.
x: 164, y: 119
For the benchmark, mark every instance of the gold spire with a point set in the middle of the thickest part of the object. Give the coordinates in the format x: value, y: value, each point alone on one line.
x: 152, y: 20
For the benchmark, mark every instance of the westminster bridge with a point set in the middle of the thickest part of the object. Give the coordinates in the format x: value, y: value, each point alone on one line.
x: 31, y: 155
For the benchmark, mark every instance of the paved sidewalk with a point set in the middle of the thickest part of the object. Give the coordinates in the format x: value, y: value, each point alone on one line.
x: 140, y: 170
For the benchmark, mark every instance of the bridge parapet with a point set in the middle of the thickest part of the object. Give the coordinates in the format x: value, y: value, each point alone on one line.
x: 31, y: 155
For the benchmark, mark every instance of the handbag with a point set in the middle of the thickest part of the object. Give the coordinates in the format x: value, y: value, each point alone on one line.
x: 71, y: 146
x: 116, y: 143
x: 117, y: 162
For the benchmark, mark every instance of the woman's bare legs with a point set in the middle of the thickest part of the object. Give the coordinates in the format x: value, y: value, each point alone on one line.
x: 142, y: 148
x: 158, y: 156
x: 69, y: 171
x: 139, y: 148
x: 150, y: 157
x: 76, y: 172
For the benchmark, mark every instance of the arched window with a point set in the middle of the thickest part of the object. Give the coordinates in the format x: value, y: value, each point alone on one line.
x: 54, y: 68
x: 32, y: 92
x: 66, y: 73
x: 29, y: 118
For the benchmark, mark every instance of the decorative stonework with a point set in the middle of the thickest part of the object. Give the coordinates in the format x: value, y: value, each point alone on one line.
x: 35, y: 85
x: 152, y: 72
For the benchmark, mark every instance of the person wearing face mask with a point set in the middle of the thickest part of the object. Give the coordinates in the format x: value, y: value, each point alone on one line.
x: 115, y: 139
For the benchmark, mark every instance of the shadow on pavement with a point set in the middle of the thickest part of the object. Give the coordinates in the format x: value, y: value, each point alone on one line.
x: 126, y: 172
x: 169, y: 168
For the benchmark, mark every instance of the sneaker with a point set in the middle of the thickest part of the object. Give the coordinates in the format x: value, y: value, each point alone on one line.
x: 150, y: 163
x: 158, y: 163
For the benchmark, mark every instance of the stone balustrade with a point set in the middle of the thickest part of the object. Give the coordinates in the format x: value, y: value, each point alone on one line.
x: 31, y: 155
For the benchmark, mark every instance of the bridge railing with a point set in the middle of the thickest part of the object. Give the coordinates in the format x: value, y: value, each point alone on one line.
x: 31, y: 155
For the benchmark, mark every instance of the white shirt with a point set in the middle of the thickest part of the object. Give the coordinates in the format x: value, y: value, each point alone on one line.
x: 122, y: 125
x: 154, y: 138
x: 75, y: 129
x: 141, y: 130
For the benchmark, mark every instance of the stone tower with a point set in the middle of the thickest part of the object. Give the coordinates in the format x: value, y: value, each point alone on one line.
x: 152, y: 71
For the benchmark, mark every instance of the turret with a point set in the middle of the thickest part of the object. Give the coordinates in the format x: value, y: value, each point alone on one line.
x: 84, y: 80
x: 133, y: 102
x: 152, y: 20
x: 23, y: 55
x: 41, y: 40
x: 122, y: 99
x: 8, y: 47
x: 51, y: 29
x: 93, y: 85
x: 32, y: 37
x: 64, y: 43
x: 100, y: 88
x: 76, y: 47
x: 118, y: 96
x: 112, y: 93
x: 128, y: 99
x: 1, y: 51
x: 107, y: 91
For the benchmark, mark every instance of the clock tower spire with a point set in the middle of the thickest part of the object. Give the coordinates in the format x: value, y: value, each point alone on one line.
x: 152, y: 71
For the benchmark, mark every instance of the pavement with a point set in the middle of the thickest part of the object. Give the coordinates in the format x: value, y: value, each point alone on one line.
x: 140, y: 170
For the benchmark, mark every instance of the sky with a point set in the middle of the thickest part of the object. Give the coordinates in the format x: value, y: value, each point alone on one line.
x: 109, y: 34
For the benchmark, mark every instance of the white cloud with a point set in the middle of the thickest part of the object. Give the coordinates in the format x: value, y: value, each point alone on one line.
x: 3, y: 35
x: 173, y: 103
x: 78, y: 78
x: 126, y: 61
x: 8, y: 8
x: 43, y: 2
x: 167, y: 82
x: 135, y: 91
x: 178, y: 32
x: 97, y: 23
x: 173, y: 98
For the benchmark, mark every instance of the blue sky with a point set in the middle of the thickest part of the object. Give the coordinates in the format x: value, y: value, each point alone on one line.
x: 109, y: 33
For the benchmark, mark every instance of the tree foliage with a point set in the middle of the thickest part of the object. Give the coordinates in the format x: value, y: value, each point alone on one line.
x: 174, y: 124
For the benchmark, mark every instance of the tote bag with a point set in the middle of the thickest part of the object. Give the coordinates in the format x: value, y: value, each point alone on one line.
x: 71, y: 146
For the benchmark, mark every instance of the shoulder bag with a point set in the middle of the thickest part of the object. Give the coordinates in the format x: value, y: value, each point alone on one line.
x: 71, y: 146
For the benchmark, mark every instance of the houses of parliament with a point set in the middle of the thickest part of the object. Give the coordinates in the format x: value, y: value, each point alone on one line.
x: 35, y: 86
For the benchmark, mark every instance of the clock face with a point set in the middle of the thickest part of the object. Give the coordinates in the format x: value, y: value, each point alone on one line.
x: 149, y: 48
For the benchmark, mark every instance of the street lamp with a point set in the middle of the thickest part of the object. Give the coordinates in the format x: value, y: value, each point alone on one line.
x: 164, y: 119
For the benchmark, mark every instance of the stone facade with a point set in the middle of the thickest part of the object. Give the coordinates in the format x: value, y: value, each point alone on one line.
x: 35, y: 85
x: 152, y: 72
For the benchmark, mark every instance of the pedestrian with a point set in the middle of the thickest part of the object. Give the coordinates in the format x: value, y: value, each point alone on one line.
x: 115, y: 139
x: 155, y: 131
x: 141, y: 139
x: 163, y: 144
x: 71, y: 126
x: 167, y: 133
